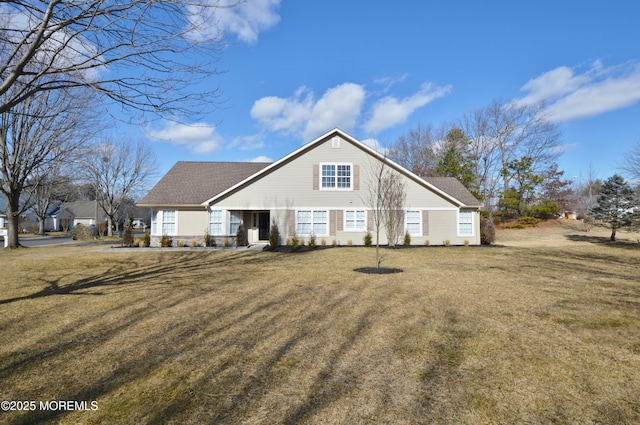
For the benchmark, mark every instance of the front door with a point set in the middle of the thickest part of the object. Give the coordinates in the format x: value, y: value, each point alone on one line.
x: 263, y: 226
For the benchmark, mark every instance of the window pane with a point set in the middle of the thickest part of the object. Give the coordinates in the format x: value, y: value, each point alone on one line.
x: 215, y: 222
x: 361, y: 220
x: 344, y: 176
x: 465, y: 218
x: 350, y: 220
x: 235, y: 220
x: 304, y: 223
x: 355, y: 220
x: 328, y: 175
x: 169, y: 222
x: 412, y: 220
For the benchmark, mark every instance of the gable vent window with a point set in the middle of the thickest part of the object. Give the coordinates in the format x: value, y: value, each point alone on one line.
x: 335, y: 143
x: 336, y: 176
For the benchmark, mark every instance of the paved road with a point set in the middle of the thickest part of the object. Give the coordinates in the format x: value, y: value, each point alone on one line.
x: 43, y: 241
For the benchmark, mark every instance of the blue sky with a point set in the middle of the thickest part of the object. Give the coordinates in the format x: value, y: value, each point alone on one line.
x: 296, y: 69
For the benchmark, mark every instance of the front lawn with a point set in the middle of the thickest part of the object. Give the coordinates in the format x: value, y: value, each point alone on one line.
x: 464, y: 335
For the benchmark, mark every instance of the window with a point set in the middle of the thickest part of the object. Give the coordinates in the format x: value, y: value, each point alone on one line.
x: 169, y: 222
x: 215, y: 222
x: 336, y: 176
x: 465, y: 223
x: 355, y: 220
x: 309, y: 221
x: 235, y: 220
x: 154, y: 223
x: 412, y: 222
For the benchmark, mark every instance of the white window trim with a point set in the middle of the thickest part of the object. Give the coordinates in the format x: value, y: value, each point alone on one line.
x: 221, y: 222
x: 355, y: 211
x: 336, y: 185
x: 240, y: 223
x: 312, y: 210
x: 473, y: 224
x: 419, y: 222
x: 159, y: 223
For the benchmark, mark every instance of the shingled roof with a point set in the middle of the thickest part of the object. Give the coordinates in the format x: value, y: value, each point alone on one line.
x: 453, y: 187
x: 193, y: 182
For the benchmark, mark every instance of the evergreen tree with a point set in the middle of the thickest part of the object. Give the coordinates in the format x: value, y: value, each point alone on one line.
x: 524, y: 182
x: 617, y: 205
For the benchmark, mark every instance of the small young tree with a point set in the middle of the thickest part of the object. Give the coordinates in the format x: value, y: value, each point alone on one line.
x: 385, y: 195
x: 127, y: 234
x: 274, y: 235
x: 617, y: 205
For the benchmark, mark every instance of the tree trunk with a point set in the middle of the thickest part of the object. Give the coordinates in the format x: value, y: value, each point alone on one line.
x: 41, y: 225
x: 109, y: 226
x: 613, y: 234
x: 13, y: 217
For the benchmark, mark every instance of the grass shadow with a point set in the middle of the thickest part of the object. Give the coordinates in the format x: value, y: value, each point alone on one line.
x: 604, y: 240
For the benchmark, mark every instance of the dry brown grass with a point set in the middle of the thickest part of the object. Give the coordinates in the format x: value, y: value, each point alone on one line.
x: 546, y: 333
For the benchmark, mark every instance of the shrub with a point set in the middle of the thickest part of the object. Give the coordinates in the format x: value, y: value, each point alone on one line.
x: 447, y: 242
x: 312, y: 241
x: 287, y: 242
x: 323, y: 242
x: 368, y: 239
x: 82, y: 232
x: 427, y: 242
x: 466, y: 242
x: 241, y: 236
x: 207, y: 238
x: 349, y: 242
x: 181, y: 243
x: 334, y: 242
x: 545, y: 210
x: 295, y: 242
x: 274, y: 235
x: 487, y: 231
x: 146, y: 240
x: 407, y: 239
x: 515, y: 226
x: 531, y: 221
x: 166, y: 241
x: 194, y: 242
x: 127, y: 234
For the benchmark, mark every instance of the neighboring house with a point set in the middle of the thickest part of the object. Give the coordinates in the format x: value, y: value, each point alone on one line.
x: 84, y: 212
x: 319, y: 189
x: 3, y: 209
x: 58, y: 218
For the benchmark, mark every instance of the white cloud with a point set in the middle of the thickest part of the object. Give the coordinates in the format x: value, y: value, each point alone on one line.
x: 245, y: 19
x: 389, y: 82
x: 391, y: 111
x: 261, y: 158
x: 303, y: 116
x: 597, y: 90
x: 199, y: 138
x: 375, y: 145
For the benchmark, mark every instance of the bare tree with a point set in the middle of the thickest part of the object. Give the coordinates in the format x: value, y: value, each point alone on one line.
x: 586, y: 191
x: 36, y: 136
x: 145, y: 55
x: 119, y: 171
x: 385, y: 195
x: 503, y: 132
x: 631, y: 164
x: 52, y: 187
x: 416, y: 150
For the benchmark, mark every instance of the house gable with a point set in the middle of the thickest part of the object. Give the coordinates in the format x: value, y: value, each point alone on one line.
x: 296, y: 179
